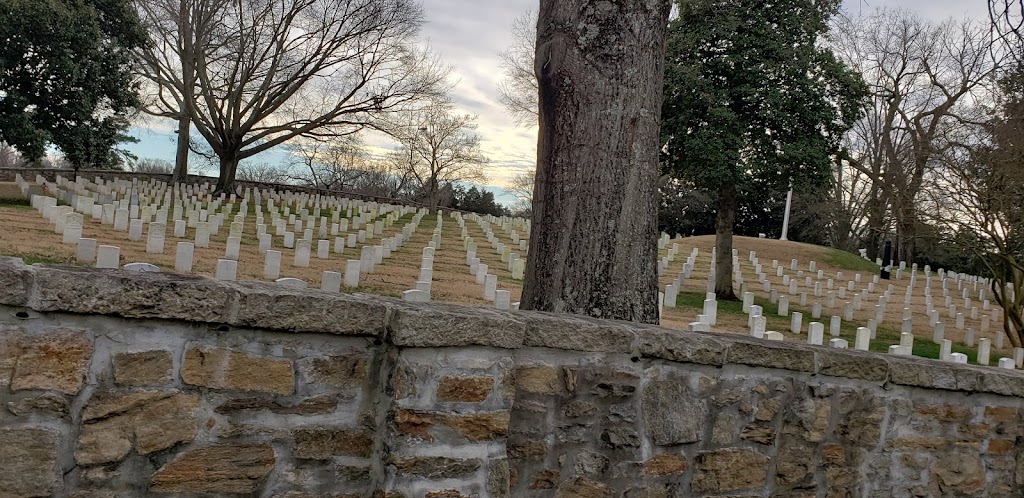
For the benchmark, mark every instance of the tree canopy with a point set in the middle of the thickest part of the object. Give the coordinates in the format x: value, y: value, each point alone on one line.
x: 65, y: 76
x: 752, y: 100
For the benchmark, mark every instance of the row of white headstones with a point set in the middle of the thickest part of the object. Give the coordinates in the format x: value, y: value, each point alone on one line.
x: 194, y: 216
x: 757, y: 322
x: 187, y: 212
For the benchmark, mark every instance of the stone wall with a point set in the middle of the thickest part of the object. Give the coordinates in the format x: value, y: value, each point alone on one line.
x: 122, y: 384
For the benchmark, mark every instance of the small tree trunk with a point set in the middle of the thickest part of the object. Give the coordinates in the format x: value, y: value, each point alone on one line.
x: 228, y: 169
x: 593, y: 247
x: 725, y: 219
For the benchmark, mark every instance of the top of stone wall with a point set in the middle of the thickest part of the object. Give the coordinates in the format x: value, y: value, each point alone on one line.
x: 192, y: 298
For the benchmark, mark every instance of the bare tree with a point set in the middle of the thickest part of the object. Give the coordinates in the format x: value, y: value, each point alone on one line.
x: 521, y: 186
x: 283, y: 69
x: 921, y: 76
x: 980, y: 202
x: 179, y: 31
x: 262, y: 173
x: 1007, y: 22
x: 518, y: 90
x: 330, y: 165
x: 600, y: 71
x: 438, y: 147
x: 151, y: 165
x: 10, y: 157
x: 386, y: 177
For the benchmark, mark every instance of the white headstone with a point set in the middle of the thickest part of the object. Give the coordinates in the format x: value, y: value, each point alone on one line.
x: 796, y: 322
x: 108, y: 257
x: 352, y: 273
x: 294, y: 283
x: 301, y: 253
x: 272, y: 265
x: 416, y: 296
x: 226, y: 269
x: 183, y: 257
x: 502, y: 299
x: 86, y: 251
x: 984, y: 351
x: 863, y: 341
x: 816, y: 333
x: 142, y: 267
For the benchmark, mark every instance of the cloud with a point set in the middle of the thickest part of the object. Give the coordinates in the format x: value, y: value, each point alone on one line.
x: 469, y: 36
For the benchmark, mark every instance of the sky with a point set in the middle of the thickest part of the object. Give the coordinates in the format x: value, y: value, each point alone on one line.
x: 469, y: 35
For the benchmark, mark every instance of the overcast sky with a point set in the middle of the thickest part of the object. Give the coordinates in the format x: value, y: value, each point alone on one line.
x: 470, y: 34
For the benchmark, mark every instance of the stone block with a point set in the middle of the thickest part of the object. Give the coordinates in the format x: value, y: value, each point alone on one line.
x: 541, y: 379
x: 28, y: 457
x: 771, y: 355
x: 575, y: 333
x: 143, y: 368
x: 15, y: 281
x: 909, y: 371
x: 46, y: 404
x: 435, y: 467
x: 115, y: 422
x: 665, y: 465
x: 297, y: 310
x: 57, y: 361
x: 443, y: 325
x: 324, y: 443
x: 672, y: 414
x: 222, y: 368
x: 221, y: 468
x: 131, y: 294
x: 729, y: 469
x: 852, y: 364
x: 479, y: 426
x: 340, y: 371
x: 464, y: 389
x: 581, y: 487
x: 316, y: 405
x: 692, y: 347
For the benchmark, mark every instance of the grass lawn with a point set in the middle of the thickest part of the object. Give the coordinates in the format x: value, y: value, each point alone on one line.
x: 884, y: 336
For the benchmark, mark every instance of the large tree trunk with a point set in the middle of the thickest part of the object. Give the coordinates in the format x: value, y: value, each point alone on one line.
x: 188, y: 73
x: 228, y: 169
x: 725, y: 219
x: 181, y: 154
x: 593, y: 248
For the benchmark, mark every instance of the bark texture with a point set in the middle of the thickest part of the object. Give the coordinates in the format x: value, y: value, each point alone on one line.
x: 593, y: 248
x: 725, y: 220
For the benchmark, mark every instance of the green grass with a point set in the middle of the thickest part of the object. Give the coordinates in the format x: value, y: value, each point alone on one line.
x: 15, y: 202
x: 850, y: 261
x: 884, y: 336
x: 30, y: 260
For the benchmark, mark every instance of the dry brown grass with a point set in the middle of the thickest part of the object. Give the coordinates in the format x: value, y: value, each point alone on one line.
x: 24, y: 233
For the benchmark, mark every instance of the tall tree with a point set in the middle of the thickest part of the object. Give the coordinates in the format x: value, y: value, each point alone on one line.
x: 179, y: 32
x: 332, y: 165
x: 305, y: 68
x: 517, y: 91
x: 593, y: 248
x: 980, y: 194
x: 442, y: 148
x: 922, y: 78
x: 751, y: 97
x: 65, y: 77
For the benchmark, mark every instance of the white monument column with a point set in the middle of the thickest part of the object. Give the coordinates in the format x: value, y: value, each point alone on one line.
x: 785, y: 217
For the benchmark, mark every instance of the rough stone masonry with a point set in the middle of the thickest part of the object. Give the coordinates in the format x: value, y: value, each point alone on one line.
x: 125, y: 384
